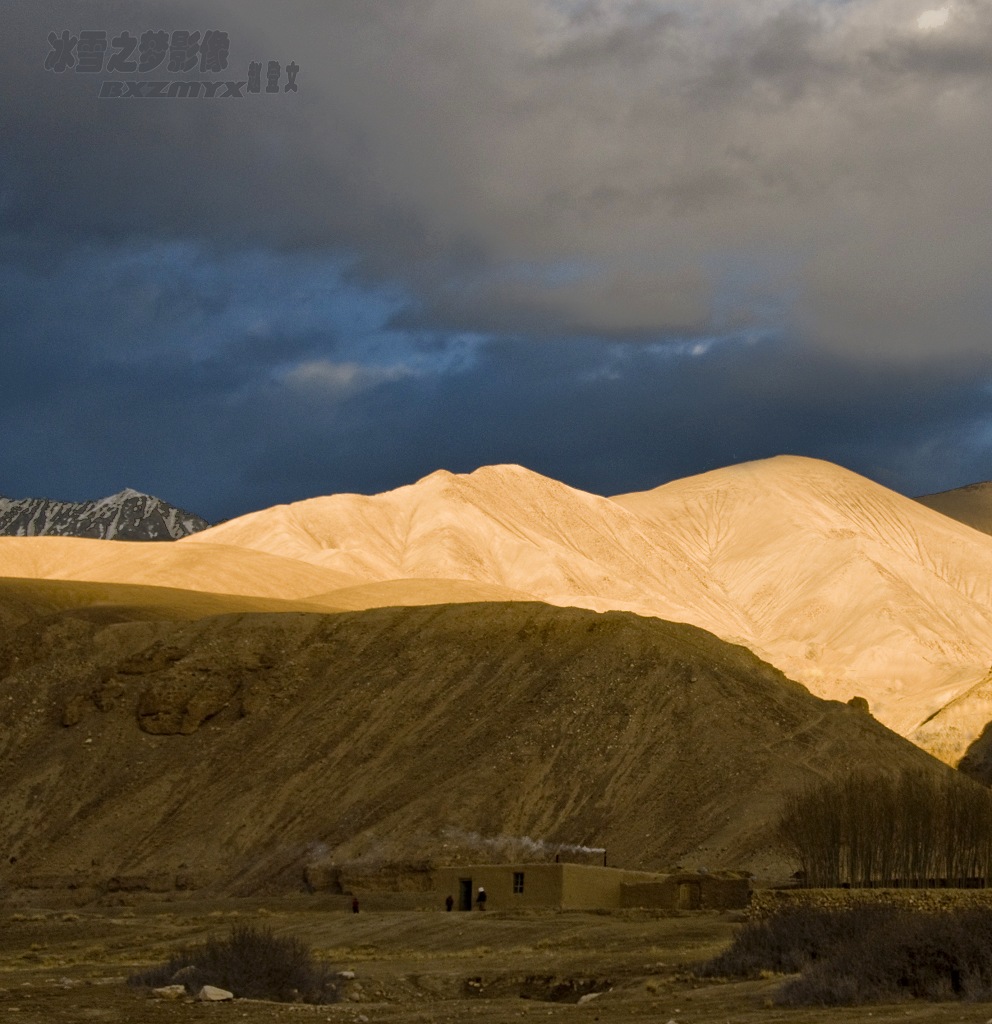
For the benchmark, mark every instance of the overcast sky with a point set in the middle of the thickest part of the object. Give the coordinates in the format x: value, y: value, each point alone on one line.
x: 617, y: 241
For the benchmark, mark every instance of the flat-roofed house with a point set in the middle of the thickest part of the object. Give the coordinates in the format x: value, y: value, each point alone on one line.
x: 587, y: 887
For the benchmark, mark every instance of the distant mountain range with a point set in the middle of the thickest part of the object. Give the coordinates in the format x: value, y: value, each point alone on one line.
x: 843, y: 585
x: 127, y: 515
x: 133, y: 515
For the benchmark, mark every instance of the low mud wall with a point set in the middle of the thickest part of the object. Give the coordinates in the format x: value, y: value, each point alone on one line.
x: 766, y: 902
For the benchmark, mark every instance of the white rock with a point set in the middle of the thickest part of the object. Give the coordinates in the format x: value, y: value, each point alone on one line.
x: 211, y: 994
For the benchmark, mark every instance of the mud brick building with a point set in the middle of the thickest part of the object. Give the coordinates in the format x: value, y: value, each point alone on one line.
x: 587, y: 887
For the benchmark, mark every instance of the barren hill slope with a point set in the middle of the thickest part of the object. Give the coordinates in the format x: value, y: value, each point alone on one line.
x: 846, y: 586
x: 23, y: 599
x: 971, y: 505
x: 212, y: 568
x: 209, y: 580
x: 501, y: 525
x: 410, y: 592
x: 951, y: 732
x: 235, y: 751
x: 843, y: 584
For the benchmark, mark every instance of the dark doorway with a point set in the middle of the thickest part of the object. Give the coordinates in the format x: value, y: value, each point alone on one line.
x: 690, y: 896
x: 464, y: 893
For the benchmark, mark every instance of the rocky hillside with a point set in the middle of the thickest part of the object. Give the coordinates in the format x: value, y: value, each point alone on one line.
x: 128, y: 515
x: 844, y: 585
x: 241, y: 752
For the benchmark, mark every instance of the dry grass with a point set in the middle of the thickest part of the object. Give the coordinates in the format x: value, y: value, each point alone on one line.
x: 414, y: 971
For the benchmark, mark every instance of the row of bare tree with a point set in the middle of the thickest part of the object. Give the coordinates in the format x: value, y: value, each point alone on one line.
x: 869, y: 829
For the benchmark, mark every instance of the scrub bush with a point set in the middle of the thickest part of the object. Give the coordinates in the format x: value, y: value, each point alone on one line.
x: 865, y: 955
x: 253, y: 963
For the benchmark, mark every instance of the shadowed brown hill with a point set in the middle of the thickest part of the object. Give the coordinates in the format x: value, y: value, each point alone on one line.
x: 234, y: 752
x: 971, y: 505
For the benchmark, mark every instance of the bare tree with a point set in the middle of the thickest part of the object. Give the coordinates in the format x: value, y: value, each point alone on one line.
x: 872, y: 829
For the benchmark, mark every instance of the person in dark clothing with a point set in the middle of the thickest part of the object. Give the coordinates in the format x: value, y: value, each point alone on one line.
x: 354, y: 905
x: 480, y: 898
x: 449, y: 903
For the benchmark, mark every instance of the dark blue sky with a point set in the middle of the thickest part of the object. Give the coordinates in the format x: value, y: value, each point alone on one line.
x: 617, y: 241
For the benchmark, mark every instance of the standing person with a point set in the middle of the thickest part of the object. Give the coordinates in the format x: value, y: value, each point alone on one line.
x: 449, y: 903
x: 480, y: 898
x: 354, y: 905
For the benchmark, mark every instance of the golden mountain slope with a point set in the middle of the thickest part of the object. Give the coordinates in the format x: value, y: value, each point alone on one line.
x: 847, y: 586
x: 233, y: 752
x: 210, y: 567
x: 501, y: 525
x: 952, y: 730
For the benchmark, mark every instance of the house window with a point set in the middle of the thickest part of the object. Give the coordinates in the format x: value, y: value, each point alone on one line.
x: 518, y: 881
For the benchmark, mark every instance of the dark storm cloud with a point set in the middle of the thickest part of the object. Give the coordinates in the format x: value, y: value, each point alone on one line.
x: 597, y: 36
x: 623, y: 417
x: 228, y: 386
x: 80, y: 167
x: 446, y: 145
x: 440, y: 251
x: 602, y: 417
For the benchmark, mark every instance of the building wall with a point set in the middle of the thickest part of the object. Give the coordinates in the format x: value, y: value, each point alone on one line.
x: 558, y: 886
x: 588, y: 887
x: 688, y: 892
x: 656, y: 895
x: 767, y: 902
x: 726, y: 894
x: 542, y: 884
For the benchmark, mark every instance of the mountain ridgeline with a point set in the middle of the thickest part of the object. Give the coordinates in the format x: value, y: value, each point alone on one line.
x: 127, y: 515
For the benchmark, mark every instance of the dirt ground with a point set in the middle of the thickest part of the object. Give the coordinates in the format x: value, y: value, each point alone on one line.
x: 411, y: 967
